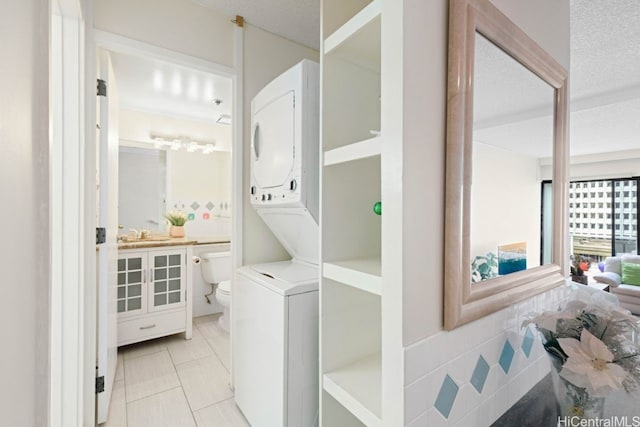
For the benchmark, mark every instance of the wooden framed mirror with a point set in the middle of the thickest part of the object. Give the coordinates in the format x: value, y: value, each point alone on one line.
x: 507, y: 115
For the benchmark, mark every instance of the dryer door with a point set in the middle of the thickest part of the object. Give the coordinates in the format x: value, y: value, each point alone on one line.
x: 272, y: 141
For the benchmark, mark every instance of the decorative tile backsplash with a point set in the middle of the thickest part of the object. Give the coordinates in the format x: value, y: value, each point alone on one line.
x: 506, y: 357
x: 206, y: 217
x: 446, y: 396
x: 215, y: 208
x: 527, y: 342
x: 496, y: 363
x: 480, y: 373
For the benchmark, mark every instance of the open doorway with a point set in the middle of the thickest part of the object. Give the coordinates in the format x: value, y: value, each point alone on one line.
x: 174, y: 145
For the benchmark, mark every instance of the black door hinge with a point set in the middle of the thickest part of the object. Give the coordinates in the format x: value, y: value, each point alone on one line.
x: 99, y: 384
x: 102, y: 88
x: 101, y: 235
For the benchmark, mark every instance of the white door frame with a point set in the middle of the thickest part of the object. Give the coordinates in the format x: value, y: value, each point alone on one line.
x: 116, y: 43
x: 68, y: 251
x: 237, y: 156
x: 73, y: 199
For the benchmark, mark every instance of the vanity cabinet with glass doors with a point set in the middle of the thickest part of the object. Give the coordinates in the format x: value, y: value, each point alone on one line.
x: 153, y: 293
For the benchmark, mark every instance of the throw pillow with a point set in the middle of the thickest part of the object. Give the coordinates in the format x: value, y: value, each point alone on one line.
x: 612, y: 264
x: 630, y: 259
x: 631, y: 273
x: 608, y: 278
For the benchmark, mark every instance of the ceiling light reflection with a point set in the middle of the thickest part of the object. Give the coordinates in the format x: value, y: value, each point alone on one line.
x: 158, y: 80
x: 176, y: 143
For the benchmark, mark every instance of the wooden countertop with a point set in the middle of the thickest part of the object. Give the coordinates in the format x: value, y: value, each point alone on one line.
x: 155, y: 242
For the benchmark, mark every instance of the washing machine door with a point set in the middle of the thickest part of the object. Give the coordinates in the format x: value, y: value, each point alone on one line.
x: 272, y: 141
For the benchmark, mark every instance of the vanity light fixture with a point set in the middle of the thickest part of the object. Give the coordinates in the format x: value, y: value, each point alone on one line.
x: 176, y: 143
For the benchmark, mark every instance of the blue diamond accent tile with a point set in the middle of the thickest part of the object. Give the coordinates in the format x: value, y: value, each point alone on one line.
x: 480, y: 373
x: 191, y: 216
x: 209, y: 205
x: 195, y: 206
x: 527, y: 342
x: 506, y: 357
x: 446, y: 396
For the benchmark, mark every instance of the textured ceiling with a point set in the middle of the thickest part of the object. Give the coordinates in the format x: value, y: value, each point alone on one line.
x: 604, y: 86
x: 605, y: 46
x: 605, y: 76
x: 297, y: 20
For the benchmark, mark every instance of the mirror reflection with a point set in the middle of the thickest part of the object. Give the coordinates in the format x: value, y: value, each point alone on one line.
x: 512, y: 137
x: 154, y: 181
x: 173, y: 127
x: 506, y: 123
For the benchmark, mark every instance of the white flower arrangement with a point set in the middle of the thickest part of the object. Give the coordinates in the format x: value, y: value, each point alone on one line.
x: 590, y: 365
x: 177, y: 218
x: 593, y: 343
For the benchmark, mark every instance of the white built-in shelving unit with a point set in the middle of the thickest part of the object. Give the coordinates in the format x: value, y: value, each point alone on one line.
x: 383, y: 115
x: 351, y: 286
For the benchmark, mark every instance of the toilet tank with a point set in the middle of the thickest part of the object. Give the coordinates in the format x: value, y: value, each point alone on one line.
x: 216, y: 266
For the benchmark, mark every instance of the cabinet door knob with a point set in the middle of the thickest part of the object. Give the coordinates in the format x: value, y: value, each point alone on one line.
x: 147, y: 327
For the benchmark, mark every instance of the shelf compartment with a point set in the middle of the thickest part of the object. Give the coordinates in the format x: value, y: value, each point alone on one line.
x: 359, y: 150
x: 359, y: 38
x: 363, y: 274
x: 358, y: 388
x: 351, y: 230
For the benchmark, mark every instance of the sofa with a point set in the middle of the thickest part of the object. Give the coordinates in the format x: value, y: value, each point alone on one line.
x: 622, y: 274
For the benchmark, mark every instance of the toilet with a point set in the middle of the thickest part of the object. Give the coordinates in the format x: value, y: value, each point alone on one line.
x: 216, y: 269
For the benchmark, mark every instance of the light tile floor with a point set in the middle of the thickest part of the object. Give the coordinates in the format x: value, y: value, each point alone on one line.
x: 175, y: 382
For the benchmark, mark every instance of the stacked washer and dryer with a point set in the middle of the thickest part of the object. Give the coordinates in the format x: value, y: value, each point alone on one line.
x: 275, y: 305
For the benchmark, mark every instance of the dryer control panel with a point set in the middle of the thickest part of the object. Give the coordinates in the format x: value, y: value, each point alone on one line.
x: 278, y: 195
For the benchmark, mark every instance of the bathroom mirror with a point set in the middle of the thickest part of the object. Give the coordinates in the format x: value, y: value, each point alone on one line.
x: 506, y: 114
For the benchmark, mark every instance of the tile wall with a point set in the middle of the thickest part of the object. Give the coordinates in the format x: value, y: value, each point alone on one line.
x: 495, y: 363
x: 206, y: 217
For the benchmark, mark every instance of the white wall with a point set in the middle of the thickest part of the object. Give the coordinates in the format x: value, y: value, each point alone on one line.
x: 505, y: 202
x: 181, y: 26
x: 622, y: 168
x: 201, y: 179
x: 265, y: 57
x: 620, y: 164
x: 24, y: 187
x: 198, y: 176
x: 423, y: 117
x: 430, y: 352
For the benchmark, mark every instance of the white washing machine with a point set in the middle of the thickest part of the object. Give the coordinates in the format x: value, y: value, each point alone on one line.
x: 274, y: 329
x: 275, y: 352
